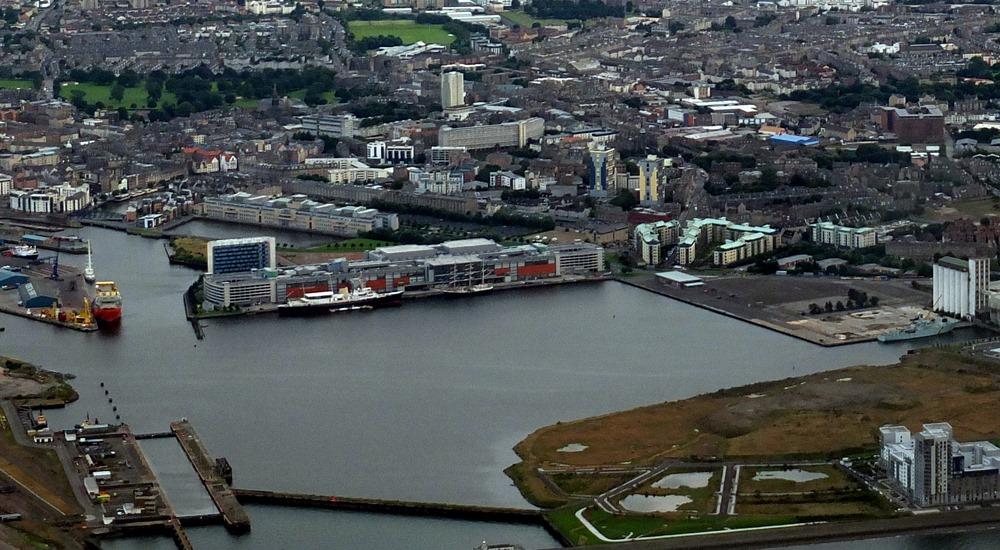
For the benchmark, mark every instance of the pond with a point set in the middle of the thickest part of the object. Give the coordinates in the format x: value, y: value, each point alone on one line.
x: 796, y: 475
x: 694, y: 480
x: 645, y: 504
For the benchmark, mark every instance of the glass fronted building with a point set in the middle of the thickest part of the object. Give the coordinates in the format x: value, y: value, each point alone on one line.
x: 241, y: 255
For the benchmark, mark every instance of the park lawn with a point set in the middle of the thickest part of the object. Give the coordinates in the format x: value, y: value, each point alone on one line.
x: 329, y: 96
x: 518, y: 17
x: 135, y: 97
x: 971, y: 208
x: 835, y: 479
x: 407, y: 31
x: 247, y: 102
x: 12, y: 84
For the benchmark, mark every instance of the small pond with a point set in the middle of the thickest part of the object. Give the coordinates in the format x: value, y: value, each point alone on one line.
x: 694, y: 480
x: 796, y: 475
x: 646, y: 503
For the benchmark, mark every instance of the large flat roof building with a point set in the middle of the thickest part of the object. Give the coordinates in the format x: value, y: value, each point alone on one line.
x: 490, y: 136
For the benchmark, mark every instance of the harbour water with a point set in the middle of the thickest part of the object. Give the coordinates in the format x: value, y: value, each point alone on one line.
x: 423, y: 402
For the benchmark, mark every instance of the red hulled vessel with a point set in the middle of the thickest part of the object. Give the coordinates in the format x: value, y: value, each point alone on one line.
x: 107, y: 307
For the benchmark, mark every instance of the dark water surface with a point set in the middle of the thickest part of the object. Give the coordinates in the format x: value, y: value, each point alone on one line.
x: 423, y: 402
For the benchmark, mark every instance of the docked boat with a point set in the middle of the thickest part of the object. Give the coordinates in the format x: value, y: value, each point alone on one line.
x: 107, y: 306
x: 921, y: 328
x: 24, y: 251
x: 481, y: 288
x: 88, y: 272
x: 320, y: 303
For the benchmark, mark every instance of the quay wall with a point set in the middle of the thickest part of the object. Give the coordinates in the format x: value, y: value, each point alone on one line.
x: 658, y: 288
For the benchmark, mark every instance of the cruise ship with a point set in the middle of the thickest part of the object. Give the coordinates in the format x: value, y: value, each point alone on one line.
x: 319, y: 303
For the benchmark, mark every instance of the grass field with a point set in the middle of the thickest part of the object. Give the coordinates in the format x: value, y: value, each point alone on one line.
x: 588, y: 484
x: 835, y: 479
x: 11, y: 84
x: 408, y: 31
x: 137, y: 97
x: 134, y: 98
x: 518, y: 17
x: 38, y: 469
x: 617, y: 527
x: 782, y: 418
x: 966, y: 208
x: 191, y: 251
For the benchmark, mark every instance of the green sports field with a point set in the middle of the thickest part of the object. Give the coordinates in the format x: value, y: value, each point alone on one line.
x: 407, y: 31
x: 10, y: 84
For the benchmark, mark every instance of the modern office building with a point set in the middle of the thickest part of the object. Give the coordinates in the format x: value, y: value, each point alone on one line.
x: 391, y: 152
x: 932, y: 469
x: 241, y: 255
x: 298, y: 212
x: 601, y: 167
x: 452, y: 90
x: 341, y: 126
x: 490, y: 136
x: 412, y: 267
x: 842, y: 236
x: 961, y: 286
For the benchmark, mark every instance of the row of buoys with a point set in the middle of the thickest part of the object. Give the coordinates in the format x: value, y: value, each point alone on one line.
x: 114, y: 408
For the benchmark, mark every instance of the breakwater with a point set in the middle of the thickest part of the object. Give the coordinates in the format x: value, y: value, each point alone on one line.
x: 466, y: 512
x: 427, y: 509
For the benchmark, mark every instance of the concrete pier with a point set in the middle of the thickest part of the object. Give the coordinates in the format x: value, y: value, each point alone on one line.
x: 233, y: 515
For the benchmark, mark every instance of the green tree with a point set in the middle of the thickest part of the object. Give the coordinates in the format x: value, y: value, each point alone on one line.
x: 117, y: 92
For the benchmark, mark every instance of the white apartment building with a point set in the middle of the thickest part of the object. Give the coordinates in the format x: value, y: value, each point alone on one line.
x: 842, y: 236
x: 650, y: 239
x: 61, y: 199
x: 441, y: 182
x: 507, y: 179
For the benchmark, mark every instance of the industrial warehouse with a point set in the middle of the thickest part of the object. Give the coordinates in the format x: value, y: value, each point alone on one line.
x: 449, y: 265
